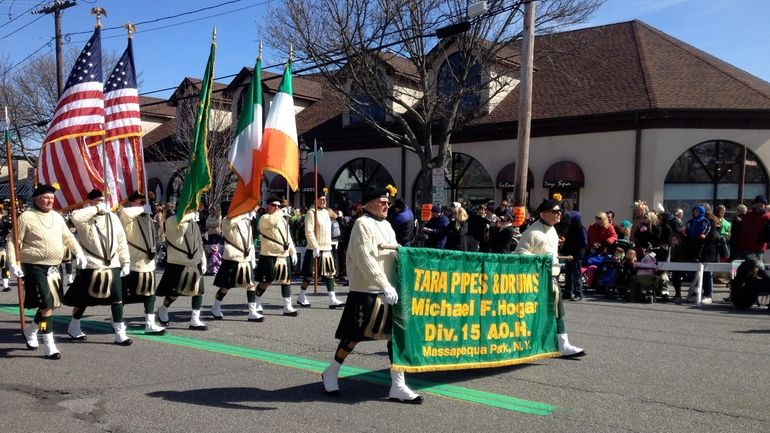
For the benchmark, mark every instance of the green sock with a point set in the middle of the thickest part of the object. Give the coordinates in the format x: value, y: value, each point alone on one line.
x: 561, y: 328
x: 117, y: 312
x: 149, y: 304
x: 197, y: 301
x: 251, y: 296
x: 286, y: 290
x: 329, y: 284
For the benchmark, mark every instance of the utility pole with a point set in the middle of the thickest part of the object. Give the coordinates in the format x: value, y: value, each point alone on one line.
x: 56, y: 9
x: 525, y: 113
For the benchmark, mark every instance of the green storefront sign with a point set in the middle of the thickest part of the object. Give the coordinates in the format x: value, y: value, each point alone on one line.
x: 472, y: 310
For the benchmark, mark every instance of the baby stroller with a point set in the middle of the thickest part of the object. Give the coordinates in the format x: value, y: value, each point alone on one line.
x: 751, y: 281
x: 647, y: 285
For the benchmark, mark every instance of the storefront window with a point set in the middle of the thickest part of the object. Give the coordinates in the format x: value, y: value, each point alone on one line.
x: 710, y: 172
x: 467, y: 181
x: 355, y: 178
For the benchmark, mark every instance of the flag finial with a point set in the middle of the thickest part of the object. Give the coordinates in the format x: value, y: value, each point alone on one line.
x: 99, y: 12
x: 214, y: 35
x: 260, y: 50
x: 130, y: 28
x: 291, y: 53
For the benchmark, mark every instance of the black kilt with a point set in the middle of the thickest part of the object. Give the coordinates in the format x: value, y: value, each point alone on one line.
x: 170, y: 278
x: 130, y: 296
x: 264, y: 272
x: 227, y: 276
x: 308, y: 263
x: 77, y: 294
x: 37, y: 291
x: 351, y: 327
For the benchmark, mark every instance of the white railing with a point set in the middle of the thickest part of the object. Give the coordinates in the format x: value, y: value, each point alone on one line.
x: 699, y: 269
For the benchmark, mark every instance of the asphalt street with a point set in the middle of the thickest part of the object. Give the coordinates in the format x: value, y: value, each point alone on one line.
x: 650, y: 368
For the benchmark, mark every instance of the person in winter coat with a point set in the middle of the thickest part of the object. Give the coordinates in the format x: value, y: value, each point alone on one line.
x: 601, y: 234
x: 402, y: 220
x: 457, y: 228
x: 575, y: 243
x: 436, y: 229
x: 700, y: 243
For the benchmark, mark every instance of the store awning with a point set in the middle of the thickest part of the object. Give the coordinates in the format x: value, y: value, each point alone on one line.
x: 278, y: 184
x: 506, y: 178
x: 564, y: 174
x: 308, y: 183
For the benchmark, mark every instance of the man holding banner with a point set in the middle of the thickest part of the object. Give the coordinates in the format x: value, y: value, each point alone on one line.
x: 541, y: 238
x: 372, y: 272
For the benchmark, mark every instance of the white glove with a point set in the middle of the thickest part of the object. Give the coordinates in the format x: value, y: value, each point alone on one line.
x: 102, y: 208
x: 204, y: 263
x: 16, y: 271
x: 80, y: 261
x: 316, y: 253
x: 294, y: 260
x: 125, y: 270
x: 391, y: 296
x: 253, y: 263
x: 196, y: 217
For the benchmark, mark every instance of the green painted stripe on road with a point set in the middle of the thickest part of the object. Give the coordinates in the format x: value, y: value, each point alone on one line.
x: 378, y: 377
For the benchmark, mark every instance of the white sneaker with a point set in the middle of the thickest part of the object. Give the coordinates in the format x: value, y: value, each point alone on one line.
x: 706, y: 300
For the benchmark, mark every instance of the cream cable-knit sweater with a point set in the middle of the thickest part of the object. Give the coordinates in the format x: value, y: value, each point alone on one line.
x: 273, y: 225
x: 323, y: 241
x: 176, y: 235
x: 237, y: 231
x: 132, y: 218
x: 86, y: 221
x: 371, y: 269
x: 44, y: 237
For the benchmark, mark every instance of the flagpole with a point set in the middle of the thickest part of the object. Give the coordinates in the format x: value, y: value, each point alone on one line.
x: 315, y: 209
x: 15, y: 236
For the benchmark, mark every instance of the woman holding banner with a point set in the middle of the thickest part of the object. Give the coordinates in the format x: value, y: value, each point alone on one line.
x: 372, y: 272
x: 541, y: 238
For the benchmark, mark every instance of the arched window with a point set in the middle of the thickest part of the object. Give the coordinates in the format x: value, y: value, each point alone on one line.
x: 466, y: 181
x: 451, y: 82
x: 711, y: 172
x: 355, y: 178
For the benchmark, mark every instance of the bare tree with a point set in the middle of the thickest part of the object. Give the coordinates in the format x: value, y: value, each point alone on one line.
x: 398, y: 77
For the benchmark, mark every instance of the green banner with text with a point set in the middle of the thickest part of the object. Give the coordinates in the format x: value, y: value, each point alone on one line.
x: 472, y: 310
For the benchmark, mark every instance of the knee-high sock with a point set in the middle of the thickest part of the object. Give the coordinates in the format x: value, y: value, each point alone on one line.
x: 77, y: 312
x: 343, y: 350
x: 220, y: 295
x: 329, y: 284
x: 168, y: 300
x: 117, y: 312
x: 38, y: 318
x: 197, y: 302
x: 285, y: 291
x: 149, y: 304
x: 251, y: 296
x: 45, y: 326
x: 561, y: 327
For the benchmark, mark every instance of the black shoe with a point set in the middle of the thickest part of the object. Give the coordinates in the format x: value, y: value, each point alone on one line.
x: 54, y: 356
x: 6, y: 289
x: 30, y: 347
x: 260, y: 320
x: 305, y: 305
x: 81, y: 338
x: 199, y: 328
x: 580, y: 354
x: 217, y: 317
x: 126, y: 342
x: 416, y: 400
x: 334, y: 307
x: 294, y: 313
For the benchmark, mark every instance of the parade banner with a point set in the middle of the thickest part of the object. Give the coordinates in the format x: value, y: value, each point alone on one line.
x: 472, y: 310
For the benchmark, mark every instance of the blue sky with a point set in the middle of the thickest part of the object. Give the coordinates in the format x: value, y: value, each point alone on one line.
x: 737, y: 31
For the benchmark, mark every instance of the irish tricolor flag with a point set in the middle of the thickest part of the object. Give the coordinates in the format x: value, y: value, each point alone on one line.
x: 244, y: 153
x: 279, y: 152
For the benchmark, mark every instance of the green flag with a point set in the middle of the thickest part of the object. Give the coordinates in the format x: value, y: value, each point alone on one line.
x: 198, y: 177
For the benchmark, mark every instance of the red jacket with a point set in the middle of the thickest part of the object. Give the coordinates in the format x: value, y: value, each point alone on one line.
x: 750, y: 236
x: 603, y: 235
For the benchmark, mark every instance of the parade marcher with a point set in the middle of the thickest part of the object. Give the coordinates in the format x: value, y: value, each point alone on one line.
x: 541, y: 238
x: 5, y: 233
x: 318, y: 232
x: 139, y: 284
x: 186, y: 261
x: 372, y: 274
x: 104, y: 242
x: 238, y: 263
x: 43, y: 237
x: 277, y: 255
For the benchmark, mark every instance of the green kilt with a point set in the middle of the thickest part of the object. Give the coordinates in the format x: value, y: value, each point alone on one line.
x: 89, y: 289
x: 39, y: 292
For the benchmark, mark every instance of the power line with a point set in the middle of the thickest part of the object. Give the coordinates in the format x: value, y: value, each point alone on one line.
x: 47, y: 44
x: 10, y: 20
x: 23, y: 27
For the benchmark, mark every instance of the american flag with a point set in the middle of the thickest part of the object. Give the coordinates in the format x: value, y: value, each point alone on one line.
x: 79, y: 117
x: 121, y: 160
